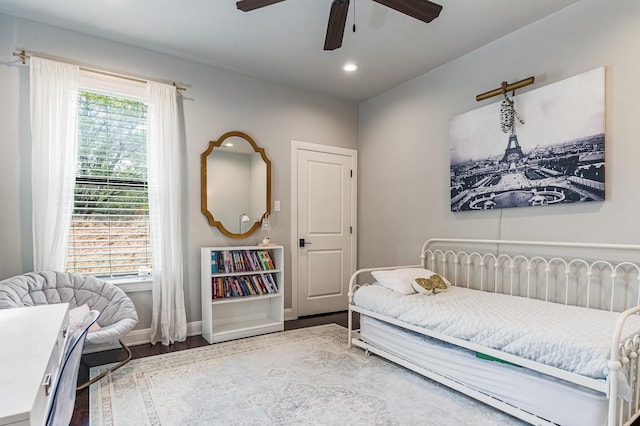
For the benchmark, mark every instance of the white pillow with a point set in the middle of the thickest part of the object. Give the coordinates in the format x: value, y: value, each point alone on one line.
x: 402, y: 280
x: 76, y: 315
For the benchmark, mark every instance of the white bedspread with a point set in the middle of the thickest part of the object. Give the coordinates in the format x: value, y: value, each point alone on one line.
x: 571, y: 338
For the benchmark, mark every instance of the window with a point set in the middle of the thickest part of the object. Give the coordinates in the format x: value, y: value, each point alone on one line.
x: 109, y: 234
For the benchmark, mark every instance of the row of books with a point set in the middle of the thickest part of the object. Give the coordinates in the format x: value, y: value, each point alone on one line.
x: 243, y: 285
x: 229, y: 261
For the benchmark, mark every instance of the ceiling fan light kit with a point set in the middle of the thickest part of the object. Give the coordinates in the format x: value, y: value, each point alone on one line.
x: 423, y: 10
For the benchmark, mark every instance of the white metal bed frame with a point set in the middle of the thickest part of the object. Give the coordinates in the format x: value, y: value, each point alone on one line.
x: 492, y: 265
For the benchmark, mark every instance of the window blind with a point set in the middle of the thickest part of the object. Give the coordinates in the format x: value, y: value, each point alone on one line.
x: 109, y: 234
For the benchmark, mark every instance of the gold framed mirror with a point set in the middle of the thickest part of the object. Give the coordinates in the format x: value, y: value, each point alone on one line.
x: 235, y: 179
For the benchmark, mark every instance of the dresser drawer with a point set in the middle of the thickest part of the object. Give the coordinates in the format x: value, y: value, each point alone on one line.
x: 51, y: 376
x: 31, y: 362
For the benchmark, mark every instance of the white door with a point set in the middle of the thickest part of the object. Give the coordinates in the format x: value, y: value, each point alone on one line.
x: 325, y: 233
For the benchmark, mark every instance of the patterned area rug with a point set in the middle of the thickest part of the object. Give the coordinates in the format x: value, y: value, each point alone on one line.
x: 300, y: 377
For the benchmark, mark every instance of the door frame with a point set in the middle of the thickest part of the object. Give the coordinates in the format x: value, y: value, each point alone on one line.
x: 327, y: 149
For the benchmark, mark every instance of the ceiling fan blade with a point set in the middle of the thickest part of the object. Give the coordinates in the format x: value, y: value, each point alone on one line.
x: 247, y: 5
x: 423, y: 10
x: 335, y: 27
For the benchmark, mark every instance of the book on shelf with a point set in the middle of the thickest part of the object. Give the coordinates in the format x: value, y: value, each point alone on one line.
x: 270, y: 282
x: 236, y: 261
x: 248, y: 290
x: 233, y: 261
x: 243, y: 285
x: 227, y: 261
x: 250, y: 261
x: 242, y: 272
x: 256, y: 289
x: 265, y: 260
x: 214, y: 262
x: 217, y: 287
x: 259, y: 284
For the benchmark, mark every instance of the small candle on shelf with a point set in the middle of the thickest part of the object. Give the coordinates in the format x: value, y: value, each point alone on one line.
x: 266, y: 231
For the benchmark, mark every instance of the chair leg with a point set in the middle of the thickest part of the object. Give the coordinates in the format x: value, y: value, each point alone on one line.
x: 110, y: 370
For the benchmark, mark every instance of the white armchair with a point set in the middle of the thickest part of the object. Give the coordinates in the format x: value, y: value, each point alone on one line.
x: 117, y: 317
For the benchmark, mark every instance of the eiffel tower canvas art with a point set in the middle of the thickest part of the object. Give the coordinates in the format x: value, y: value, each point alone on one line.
x: 513, y: 151
x: 541, y: 148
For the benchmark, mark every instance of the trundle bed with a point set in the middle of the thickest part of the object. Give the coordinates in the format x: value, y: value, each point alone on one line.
x: 545, y: 331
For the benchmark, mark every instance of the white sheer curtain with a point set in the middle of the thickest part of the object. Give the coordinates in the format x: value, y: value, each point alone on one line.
x: 168, y: 323
x: 53, y: 104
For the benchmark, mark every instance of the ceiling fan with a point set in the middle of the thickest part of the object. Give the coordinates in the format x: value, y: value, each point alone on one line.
x: 423, y: 10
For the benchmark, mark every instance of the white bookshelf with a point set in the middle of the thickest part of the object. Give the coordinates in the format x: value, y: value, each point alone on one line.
x: 233, y: 315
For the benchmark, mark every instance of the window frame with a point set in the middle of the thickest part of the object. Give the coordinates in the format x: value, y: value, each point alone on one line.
x: 92, y: 81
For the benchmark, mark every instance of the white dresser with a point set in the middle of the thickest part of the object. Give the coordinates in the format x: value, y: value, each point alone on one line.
x: 33, y: 341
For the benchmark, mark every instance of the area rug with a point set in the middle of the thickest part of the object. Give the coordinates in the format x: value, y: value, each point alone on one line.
x: 299, y: 377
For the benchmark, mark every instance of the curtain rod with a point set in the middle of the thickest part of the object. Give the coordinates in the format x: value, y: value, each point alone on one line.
x: 23, y: 56
x: 506, y: 87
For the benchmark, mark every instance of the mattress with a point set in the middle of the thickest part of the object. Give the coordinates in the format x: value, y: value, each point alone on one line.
x: 547, y: 397
x: 549, y: 333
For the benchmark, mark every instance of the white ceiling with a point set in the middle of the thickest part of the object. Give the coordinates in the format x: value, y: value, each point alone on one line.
x: 284, y: 42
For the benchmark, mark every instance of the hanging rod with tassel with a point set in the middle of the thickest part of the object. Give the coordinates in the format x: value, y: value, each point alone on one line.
x: 506, y: 87
x: 23, y: 56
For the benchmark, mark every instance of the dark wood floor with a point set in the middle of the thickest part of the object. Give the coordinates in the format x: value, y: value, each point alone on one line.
x: 81, y: 409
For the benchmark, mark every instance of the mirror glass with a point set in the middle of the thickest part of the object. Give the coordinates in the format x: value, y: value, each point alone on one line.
x: 236, y: 184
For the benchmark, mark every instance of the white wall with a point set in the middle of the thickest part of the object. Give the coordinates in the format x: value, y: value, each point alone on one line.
x: 404, y: 145
x: 217, y: 101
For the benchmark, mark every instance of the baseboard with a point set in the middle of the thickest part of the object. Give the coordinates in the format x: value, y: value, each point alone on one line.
x: 289, y: 315
x: 143, y: 336
x: 140, y: 337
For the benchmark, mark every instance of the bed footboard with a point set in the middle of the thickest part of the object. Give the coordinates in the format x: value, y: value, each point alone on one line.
x: 624, y: 362
x: 357, y: 280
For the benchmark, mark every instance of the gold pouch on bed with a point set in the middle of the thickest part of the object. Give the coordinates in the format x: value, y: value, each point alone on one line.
x: 432, y: 285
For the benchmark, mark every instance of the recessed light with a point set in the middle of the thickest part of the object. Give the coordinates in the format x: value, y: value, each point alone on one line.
x: 350, y: 67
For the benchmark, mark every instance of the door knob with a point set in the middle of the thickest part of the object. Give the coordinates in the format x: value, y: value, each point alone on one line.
x: 303, y: 242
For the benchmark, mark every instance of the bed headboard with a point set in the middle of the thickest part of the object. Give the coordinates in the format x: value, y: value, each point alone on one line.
x: 599, y: 276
